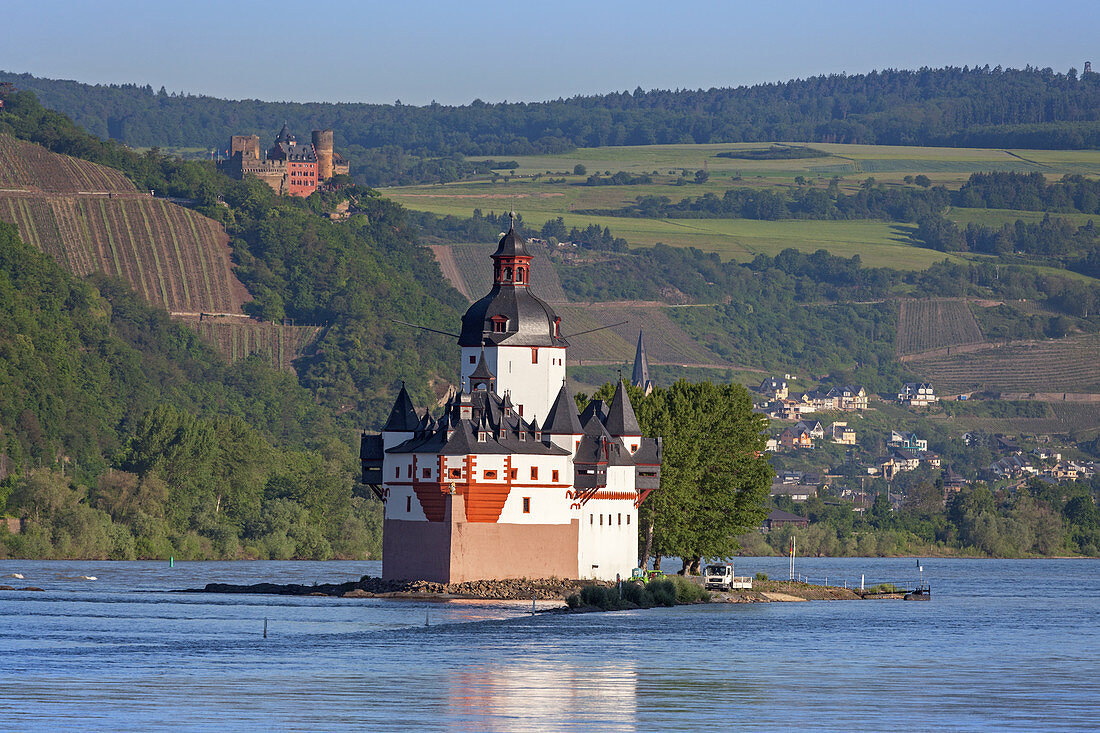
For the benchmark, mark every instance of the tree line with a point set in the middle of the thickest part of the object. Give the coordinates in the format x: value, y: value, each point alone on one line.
x: 945, y: 106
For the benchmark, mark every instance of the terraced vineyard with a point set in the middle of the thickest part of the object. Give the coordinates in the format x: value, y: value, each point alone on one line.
x: 31, y: 167
x: 91, y: 219
x: 173, y: 256
x: 666, y: 342
x: 239, y: 338
x: 926, y: 325
x: 1066, y: 365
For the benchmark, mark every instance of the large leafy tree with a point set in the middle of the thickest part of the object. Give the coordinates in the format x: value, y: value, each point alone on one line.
x: 714, y: 478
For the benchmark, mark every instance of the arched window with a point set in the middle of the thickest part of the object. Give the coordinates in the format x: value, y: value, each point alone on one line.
x: 519, y: 274
x: 507, y: 274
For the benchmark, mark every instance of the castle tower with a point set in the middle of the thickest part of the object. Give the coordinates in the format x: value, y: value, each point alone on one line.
x: 520, y: 334
x: 322, y: 146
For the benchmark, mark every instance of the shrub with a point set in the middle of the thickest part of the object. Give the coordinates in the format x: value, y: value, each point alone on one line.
x: 595, y: 595
x: 663, y: 592
x: 761, y: 576
x: 689, y: 592
x: 635, y: 594
x: 573, y: 600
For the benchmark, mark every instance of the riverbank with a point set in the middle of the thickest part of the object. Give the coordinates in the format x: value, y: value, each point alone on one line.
x: 551, y: 589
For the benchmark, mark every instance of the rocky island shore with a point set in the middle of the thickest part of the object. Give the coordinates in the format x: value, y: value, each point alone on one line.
x: 548, y: 589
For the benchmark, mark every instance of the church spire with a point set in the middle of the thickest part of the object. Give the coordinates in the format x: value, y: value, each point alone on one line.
x: 640, y: 377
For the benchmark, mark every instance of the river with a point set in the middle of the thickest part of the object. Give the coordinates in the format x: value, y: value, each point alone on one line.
x: 1003, y: 645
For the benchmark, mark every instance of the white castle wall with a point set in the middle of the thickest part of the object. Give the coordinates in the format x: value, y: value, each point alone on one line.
x: 533, y: 386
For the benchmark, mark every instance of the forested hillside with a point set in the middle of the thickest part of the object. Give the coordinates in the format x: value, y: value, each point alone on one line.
x: 979, y: 106
x: 123, y: 435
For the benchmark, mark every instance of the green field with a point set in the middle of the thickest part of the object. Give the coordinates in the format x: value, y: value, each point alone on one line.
x: 531, y: 193
x: 879, y: 244
x: 949, y: 163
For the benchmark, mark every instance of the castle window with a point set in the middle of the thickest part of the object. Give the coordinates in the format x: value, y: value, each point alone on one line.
x: 591, y: 520
x: 601, y: 520
x: 633, y: 447
x: 490, y: 474
x: 554, y: 476
x: 454, y: 473
x: 473, y: 359
x: 534, y: 355
x: 534, y: 473
x: 519, y: 274
x: 409, y: 471
x: 507, y: 274
x: 397, y: 471
x: 628, y: 519
x: 522, y: 435
x: 482, y: 436
x: 620, y: 519
x: 527, y: 505
x: 514, y: 472
x: 426, y: 473
x: 408, y: 504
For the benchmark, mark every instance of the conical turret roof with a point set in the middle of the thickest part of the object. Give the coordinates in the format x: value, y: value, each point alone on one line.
x: 403, y: 417
x: 562, y: 418
x: 620, y: 415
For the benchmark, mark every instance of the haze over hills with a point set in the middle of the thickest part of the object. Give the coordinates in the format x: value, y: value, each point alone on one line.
x: 1036, y: 108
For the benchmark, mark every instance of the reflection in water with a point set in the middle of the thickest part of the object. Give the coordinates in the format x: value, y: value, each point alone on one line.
x: 526, y: 694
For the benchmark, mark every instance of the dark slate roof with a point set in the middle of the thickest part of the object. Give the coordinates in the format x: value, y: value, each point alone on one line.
x: 511, y: 245
x: 620, y: 415
x: 595, y: 410
x: 481, y: 372
x: 403, y: 417
x: 284, y: 134
x: 649, y: 452
x: 640, y: 377
x: 530, y: 320
x: 778, y: 515
x: 453, y: 435
x: 562, y: 418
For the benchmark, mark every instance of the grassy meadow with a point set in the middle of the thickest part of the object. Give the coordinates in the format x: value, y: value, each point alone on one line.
x: 544, y: 187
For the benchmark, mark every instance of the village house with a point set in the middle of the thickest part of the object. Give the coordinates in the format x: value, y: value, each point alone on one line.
x: 907, y: 440
x: 852, y: 397
x: 779, y: 518
x: 812, y: 427
x: 795, y: 437
x: 843, y: 434
x: 917, y: 394
x: 821, y: 399
x: 789, y: 409
x: 1011, y: 467
x: 774, y: 388
x: 794, y: 492
x: 953, y: 483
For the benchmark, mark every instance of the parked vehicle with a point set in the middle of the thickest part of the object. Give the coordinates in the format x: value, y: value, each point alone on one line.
x: 719, y: 576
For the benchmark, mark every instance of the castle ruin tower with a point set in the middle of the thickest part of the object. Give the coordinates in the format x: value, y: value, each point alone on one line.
x: 518, y: 333
x: 322, y: 146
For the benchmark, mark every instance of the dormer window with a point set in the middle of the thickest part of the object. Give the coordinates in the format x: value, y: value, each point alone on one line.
x: 500, y: 323
x: 482, y: 436
x: 522, y: 436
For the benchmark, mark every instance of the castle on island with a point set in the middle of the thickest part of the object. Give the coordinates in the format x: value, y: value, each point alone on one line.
x: 289, y: 167
x: 510, y: 481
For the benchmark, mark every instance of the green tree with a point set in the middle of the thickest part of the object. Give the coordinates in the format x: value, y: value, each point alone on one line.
x: 579, y: 170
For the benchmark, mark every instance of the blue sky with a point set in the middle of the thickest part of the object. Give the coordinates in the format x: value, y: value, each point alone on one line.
x: 454, y: 52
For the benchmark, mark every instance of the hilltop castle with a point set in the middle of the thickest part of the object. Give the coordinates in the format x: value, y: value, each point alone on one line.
x: 486, y: 490
x: 289, y: 167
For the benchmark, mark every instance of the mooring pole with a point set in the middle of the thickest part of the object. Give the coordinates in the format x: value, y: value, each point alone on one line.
x: 265, y: 627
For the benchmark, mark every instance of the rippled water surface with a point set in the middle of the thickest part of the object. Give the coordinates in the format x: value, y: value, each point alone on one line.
x: 1002, y: 645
